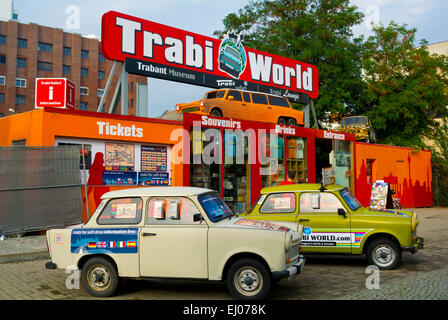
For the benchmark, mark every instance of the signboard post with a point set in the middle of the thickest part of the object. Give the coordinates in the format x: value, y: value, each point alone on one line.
x: 55, y: 93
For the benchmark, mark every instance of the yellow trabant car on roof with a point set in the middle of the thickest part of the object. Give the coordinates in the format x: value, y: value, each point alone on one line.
x: 245, y: 105
x: 336, y: 223
x: 176, y: 232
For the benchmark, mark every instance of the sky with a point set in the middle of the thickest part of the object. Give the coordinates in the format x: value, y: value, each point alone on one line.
x: 204, y: 17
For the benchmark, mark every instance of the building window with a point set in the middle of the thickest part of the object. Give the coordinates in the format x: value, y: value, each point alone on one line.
x: 2, y: 59
x: 100, y: 92
x: 84, y: 72
x: 101, y: 75
x: 131, y: 87
x: 2, y: 98
x: 46, y: 47
x: 66, y: 69
x: 44, y: 66
x: 84, y: 91
x: 20, y: 100
x: 131, y: 103
x: 67, y: 51
x: 2, y: 80
x: 20, y: 83
x: 83, y: 105
x: 2, y: 39
x: 22, y: 43
x: 101, y: 57
x: 84, y: 54
x: 21, y: 63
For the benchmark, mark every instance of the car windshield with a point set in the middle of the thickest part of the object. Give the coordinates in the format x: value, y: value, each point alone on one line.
x: 215, y: 207
x: 351, y: 201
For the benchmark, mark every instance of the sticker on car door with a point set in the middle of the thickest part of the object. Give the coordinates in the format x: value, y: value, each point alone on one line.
x: 120, y: 240
x: 332, y: 237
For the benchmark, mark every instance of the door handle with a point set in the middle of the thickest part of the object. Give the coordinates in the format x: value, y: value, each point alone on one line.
x: 303, y: 220
x: 146, y: 234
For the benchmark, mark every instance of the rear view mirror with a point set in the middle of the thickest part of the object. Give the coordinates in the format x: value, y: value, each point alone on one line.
x: 197, y: 217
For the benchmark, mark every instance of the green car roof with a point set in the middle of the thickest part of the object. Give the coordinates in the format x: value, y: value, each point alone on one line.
x: 301, y: 187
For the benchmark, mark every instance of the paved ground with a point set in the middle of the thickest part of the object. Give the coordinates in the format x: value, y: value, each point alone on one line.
x: 423, y: 275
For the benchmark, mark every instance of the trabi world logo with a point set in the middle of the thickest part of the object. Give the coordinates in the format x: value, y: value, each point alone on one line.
x: 232, y: 57
x: 307, y: 231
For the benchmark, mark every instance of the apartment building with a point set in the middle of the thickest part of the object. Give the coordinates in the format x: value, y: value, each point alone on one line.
x: 30, y: 51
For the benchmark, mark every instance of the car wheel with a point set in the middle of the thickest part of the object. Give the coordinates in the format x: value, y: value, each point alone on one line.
x: 384, y: 253
x: 248, y: 279
x: 282, y: 121
x: 216, y: 113
x: 292, y: 122
x: 99, y: 277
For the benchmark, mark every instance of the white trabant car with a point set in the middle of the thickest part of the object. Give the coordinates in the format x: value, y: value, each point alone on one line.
x: 176, y: 232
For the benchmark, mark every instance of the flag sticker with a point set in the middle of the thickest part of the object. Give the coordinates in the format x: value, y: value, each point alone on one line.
x: 107, y: 240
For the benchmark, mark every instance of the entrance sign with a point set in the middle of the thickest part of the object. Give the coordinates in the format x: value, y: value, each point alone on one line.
x: 160, y: 51
x: 55, y: 92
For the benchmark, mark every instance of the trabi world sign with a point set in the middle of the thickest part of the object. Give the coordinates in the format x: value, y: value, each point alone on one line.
x: 160, y: 51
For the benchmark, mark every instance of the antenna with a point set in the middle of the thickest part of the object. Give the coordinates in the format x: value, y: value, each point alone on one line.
x: 322, y: 187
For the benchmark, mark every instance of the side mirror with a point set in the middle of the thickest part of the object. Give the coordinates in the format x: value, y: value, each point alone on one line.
x: 197, y: 217
x: 342, y: 212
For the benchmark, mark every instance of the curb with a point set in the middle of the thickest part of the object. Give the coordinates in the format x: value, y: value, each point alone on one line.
x: 27, y: 256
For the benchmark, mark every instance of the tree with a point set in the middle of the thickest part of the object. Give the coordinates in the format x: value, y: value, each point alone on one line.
x: 312, y: 31
x: 403, y: 86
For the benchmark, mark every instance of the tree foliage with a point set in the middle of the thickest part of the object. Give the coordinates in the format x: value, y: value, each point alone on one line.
x: 387, y: 77
x: 313, y: 31
x: 403, y: 86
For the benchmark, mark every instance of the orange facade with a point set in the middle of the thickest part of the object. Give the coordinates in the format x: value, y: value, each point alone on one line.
x: 44, y: 127
x: 407, y: 171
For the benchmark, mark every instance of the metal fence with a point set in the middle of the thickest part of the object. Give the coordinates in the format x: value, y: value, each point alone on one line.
x: 39, y: 188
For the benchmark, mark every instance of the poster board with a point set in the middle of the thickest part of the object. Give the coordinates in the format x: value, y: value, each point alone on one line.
x: 328, y: 176
x: 378, y: 197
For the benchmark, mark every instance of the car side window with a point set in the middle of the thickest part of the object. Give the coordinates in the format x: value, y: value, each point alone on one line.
x: 259, y: 98
x: 236, y: 95
x: 121, y: 211
x: 246, y: 96
x: 279, y: 203
x: 170, y: 211
x: 319, y: 202
x: 278, y: 101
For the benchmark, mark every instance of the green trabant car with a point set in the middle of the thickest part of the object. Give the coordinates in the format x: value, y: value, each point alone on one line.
x: 336, y: 223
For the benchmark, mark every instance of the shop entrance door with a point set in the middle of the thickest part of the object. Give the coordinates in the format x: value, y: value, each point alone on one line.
x: 323, y: 149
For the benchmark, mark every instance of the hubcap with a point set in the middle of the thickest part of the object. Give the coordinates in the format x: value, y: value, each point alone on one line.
x: 248, y: 281
x: 384, y: 255
x: 99, y: 278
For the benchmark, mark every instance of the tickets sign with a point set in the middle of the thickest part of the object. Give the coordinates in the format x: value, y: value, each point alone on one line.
x: 160, y: 51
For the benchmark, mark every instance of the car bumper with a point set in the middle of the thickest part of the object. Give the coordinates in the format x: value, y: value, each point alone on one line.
x: 294, y: 269
x: 417, y: 244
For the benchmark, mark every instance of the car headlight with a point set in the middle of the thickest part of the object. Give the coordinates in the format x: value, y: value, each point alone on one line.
x: 414, y: 222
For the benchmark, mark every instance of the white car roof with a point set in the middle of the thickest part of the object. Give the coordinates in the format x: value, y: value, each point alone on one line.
x: 156, y: 192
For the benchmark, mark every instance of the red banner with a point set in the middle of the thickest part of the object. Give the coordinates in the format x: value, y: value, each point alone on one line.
x: 170, y: 53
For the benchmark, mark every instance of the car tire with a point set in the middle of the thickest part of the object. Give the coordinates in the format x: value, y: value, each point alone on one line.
x: 99, y: 277
x: 282, y: 121
x: 216, y: 113
x: 248, y: 279
x: 384, y: 253
x: 292, y: 122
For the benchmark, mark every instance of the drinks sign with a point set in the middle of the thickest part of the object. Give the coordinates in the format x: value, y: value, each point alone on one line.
x: 160, y: 51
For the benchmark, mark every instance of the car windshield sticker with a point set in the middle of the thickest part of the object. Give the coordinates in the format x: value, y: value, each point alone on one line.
x: 125, y: 210
x: 122, y: 240
x: 158, y: 209
x: 261, y: 225
x: 333, y: 237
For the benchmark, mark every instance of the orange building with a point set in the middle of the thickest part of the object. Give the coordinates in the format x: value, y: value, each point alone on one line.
x: 95, y: 133
x: 407, y: 171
